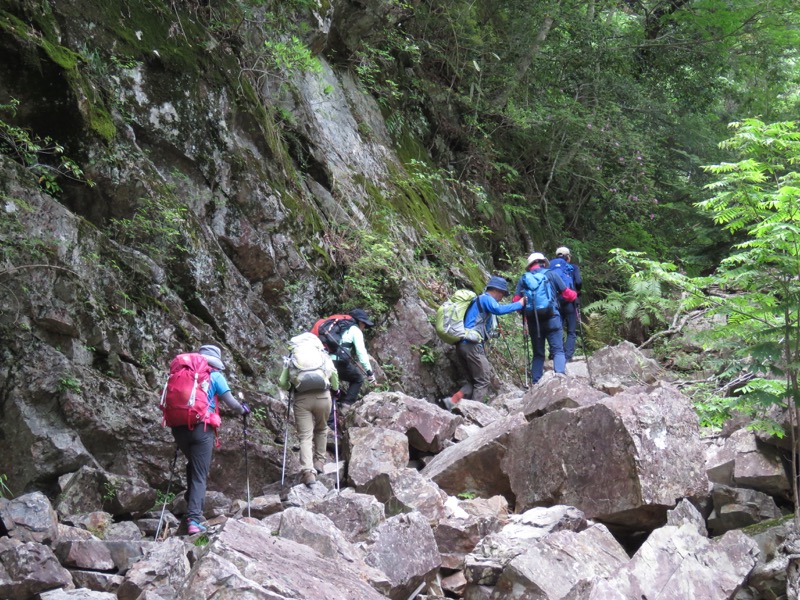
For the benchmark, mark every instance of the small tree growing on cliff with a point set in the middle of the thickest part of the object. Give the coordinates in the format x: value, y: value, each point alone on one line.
x: 757, y: 287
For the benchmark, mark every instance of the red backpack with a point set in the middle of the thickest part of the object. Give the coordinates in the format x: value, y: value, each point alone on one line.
x: 184, y: 401
x: 330, y: 331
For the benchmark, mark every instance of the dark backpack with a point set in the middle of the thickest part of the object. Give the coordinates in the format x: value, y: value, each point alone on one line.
x: 564, y: 270
x: 184, y: 401
x: 331, y: 330
x: 539, y: 295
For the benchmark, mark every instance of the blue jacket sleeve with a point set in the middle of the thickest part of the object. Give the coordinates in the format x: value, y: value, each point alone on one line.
x: 491, y: 305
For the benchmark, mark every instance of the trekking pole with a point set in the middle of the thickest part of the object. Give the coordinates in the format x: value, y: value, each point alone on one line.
x: 527, y: 354
x: 510, y: 355
x: 166, y: 496
x: 583, y: 342
x: 336, y: 439
x: 246, y: 465
x: 286, y: 435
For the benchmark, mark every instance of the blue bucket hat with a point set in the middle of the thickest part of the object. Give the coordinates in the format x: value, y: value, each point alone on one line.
x: 498, y: 283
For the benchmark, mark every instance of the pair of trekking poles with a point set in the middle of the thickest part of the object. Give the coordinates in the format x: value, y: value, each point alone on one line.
x: 526, y: 342
x: 286, y: 438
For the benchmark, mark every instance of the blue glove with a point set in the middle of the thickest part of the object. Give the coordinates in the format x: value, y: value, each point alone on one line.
x: 245, y: 409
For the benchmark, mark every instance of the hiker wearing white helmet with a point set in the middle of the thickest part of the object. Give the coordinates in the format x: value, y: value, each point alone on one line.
x: 571, y: 276
x: 543, y: 289
x: 471, y: 354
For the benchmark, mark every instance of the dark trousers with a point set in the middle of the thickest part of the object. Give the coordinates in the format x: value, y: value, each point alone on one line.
x: 473, y: 360
x: 350, y: 373
x: 570, y: 319
x: 548, y: 330
x: 197, y: 446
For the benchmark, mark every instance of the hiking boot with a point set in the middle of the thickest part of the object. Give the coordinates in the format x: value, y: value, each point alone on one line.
x: 194, y: 527
x: 308, y: 478
x: 319, y: 465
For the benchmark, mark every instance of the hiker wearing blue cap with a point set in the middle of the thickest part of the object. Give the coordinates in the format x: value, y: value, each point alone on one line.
x: 480, y: 316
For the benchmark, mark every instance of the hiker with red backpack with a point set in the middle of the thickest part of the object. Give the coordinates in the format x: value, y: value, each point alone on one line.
x: 571, y: 276
x: 190, y: 404
x: 544, y: 289
x: 479, y: 321
x: 343, y: 338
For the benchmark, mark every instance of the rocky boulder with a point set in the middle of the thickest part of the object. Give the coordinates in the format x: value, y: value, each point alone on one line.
x: 475, y: 465
x: 554, y: 393
x: 614, y: 368
x: 29, y: 518
x: 427, y: 427
x: 246, y: 559
x: 624, y: 460
x: 404, y: 548
x: 552, y: 565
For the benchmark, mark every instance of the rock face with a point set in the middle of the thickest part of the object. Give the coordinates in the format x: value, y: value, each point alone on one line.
x: 247, y: 559
x: 472, y: 465
x: 624, y: 460
x: 426, y: 426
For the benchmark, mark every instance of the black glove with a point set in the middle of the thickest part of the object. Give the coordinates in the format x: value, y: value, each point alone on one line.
x: 245, y: 410
x: 371, y: 377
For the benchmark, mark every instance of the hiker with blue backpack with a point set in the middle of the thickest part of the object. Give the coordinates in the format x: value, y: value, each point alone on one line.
x: 571, y: 276
x: 543, y: 289
x: 479, y: 323
x: 190, y: 404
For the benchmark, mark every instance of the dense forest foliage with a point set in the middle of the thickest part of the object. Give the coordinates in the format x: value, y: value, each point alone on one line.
x: 594, y: 124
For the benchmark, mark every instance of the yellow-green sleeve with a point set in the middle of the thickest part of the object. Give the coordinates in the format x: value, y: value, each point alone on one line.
x: 335, y: 380
x: 283, y: 380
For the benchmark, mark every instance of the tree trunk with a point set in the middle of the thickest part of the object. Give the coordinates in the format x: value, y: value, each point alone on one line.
x: 525, y: 62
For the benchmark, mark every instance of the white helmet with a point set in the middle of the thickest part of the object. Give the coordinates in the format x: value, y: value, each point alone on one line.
x: 536, y: 256
x: 563, y: 251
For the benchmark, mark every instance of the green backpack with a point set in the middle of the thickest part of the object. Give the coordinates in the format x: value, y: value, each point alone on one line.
x: 450, y: 318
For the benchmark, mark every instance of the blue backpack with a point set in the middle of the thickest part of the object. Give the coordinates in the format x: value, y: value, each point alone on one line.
x: 539, y: 295
x: 564, y: 270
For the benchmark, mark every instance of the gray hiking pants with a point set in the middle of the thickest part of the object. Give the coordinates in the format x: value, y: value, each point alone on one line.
x: 197, y: 446
x: 473, y: 360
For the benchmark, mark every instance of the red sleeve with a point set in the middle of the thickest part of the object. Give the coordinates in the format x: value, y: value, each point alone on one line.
x: 569, y: 295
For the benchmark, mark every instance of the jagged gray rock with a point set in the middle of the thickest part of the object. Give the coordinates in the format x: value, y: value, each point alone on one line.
x: 678, y: 562
x: 623, y: 460
x: 553, y: 564
x: 29, y: 568
x: 356, y: 515
x: 162, y: 570
x: 617, y: 367
x: 467, y: 522
x: 374, y: 450
x: 554, y: 393
x: 29, y: 518
x: 426, y: 426
x: 404, y: 548
x: 484, y: 565
x: 406, y: 490
x: 735, y: 508
x: 686, y: 512
x: 476, y: 464
x: 246, y: 559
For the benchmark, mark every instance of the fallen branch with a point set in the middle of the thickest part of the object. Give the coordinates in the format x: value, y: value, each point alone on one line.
x: 675, y: 328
